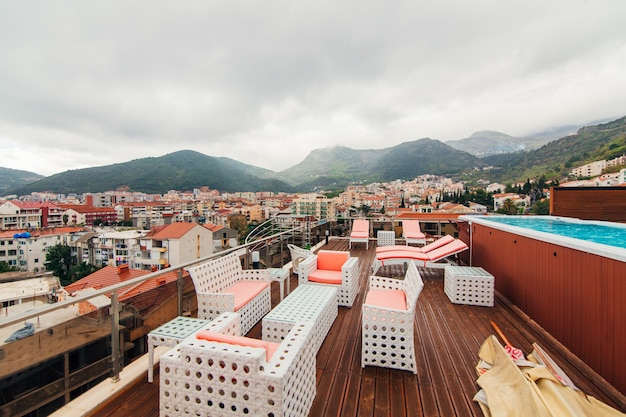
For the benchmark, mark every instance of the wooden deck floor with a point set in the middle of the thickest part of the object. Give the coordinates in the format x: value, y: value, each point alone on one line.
x: 447, y: 340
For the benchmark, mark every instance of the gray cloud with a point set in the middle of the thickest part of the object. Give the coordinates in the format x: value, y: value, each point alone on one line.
x: 94, y: 83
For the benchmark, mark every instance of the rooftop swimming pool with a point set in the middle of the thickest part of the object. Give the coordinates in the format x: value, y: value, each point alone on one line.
x: 604, y: 238
x: 613, y: 234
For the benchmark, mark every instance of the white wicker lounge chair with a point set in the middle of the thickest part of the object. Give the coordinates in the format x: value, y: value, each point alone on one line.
x: 219, y: 373
x: 388, y: 318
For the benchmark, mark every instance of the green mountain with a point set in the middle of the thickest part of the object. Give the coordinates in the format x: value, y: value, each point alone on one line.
x: 487, y: 142
x: 338, y: 166
x: 182, y: 170
x: 557, y: 158
x: 15, y: 178
x: 334, y: 168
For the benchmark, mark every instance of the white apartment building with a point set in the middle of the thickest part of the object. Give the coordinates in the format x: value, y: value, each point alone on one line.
x: 590, y: 170
x: 172, y: 245
x: 499, y: 199
x: 27, y: 251
x: 15, y: 215
x: 315, y: 205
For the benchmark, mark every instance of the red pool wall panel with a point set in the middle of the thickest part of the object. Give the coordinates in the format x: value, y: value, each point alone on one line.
x: 579, y: 298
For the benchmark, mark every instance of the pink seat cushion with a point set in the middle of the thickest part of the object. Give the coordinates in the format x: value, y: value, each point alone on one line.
x: 402, y: 254
x: 392, y: 299
x: 269, y: 347
x: 359, y: 235
x: 331, y: 260
x: 324, y: 276
x: 245, y: 291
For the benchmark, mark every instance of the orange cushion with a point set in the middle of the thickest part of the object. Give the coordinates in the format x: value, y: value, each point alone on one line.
x: 245, y: 291
x: 269, y: 347
x: 331, y: 260
x: 324, y: 276
x: 393, y: 299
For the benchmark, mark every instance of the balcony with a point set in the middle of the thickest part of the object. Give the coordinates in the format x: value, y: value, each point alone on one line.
x: 447, y: 340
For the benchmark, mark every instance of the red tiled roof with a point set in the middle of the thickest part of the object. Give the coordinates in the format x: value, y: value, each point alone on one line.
x: 213, y: 227
x: 104, y: 277
x: 429, y: 216
x: 87, y: 209
x: 174, y: 230
x: 7, y: 234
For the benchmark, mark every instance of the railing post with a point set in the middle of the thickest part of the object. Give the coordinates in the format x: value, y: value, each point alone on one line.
x: 115, y: 337
x: 179, y: 287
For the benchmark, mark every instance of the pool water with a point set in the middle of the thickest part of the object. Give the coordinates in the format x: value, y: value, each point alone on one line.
x: 613, y: 234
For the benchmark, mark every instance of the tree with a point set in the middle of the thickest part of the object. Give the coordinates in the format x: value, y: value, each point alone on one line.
x: 5, y: 267
x: 365, y: 209
x: 59, y: 260
x: 541, y: 207
x: 82, y: 270
x: 66, y: 218
x: 239, y: 223
x: 508, y: 207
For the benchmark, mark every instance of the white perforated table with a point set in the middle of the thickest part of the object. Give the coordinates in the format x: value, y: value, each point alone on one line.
x: 308, y: 302
x: 469, y: 285
x: 170, y: 334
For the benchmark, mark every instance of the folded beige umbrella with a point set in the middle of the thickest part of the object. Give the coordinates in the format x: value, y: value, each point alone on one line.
x: 533, y: 387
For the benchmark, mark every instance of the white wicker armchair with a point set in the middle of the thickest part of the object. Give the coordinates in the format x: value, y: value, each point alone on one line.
x: 298, y: 254
x: 388, y: 318
x: 336, y: 268
x: 212, y: 378
x: 221, y: 284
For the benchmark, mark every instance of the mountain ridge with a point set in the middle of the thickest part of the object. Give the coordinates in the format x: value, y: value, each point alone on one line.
x: 334, y: 167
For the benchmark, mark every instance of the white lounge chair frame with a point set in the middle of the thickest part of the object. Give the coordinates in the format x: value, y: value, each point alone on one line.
x: 388, y: 334
x: 360, y: 233
x: 200, y: 377
x: 412, y: 233
x: 430, y: 259
x: 212, y: 278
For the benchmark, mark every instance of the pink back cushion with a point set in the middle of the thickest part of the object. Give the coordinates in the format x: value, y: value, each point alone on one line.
x: 453, y: 247
x: 269, y: 347
x: 437, y: 243
x: 331, y: 260
x: 361, y: 226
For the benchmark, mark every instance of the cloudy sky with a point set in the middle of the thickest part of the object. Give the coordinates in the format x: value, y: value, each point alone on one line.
x: 92, y: 83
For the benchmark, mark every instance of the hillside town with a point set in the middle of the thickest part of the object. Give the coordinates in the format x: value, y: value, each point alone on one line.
x: 110, y: 238
x: 103, y: 228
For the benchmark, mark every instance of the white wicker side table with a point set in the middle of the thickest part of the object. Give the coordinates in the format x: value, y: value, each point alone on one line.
x: 469, y: 285
x: 170, y: 334
x: 385, y: 238
x: 281, y: 275
x: 307, y: 303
